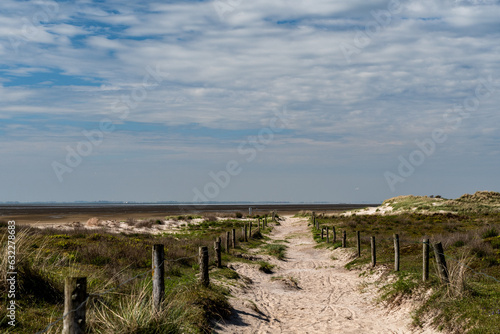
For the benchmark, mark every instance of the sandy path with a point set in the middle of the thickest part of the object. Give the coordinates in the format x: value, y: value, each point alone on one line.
x: 328, y: 297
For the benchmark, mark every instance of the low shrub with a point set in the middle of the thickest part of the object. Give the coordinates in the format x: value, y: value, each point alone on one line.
x: 490, y: 233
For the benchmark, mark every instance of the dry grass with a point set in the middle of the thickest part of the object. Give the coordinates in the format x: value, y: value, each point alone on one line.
x: 458, y: 274
x: 133, y: 313
x: 34, y: 266
x: 472, y: 250
x: 46, y: 256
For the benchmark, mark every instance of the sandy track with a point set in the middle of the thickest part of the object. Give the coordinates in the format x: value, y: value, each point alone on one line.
x: 328, y: 297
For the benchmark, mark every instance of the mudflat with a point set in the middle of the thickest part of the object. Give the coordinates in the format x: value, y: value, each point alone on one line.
x: 68, y: 213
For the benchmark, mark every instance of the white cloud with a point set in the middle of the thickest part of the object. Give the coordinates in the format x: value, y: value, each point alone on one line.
x: 231, y: 73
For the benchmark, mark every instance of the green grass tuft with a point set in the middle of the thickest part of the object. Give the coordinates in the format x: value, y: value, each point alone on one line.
x: 277, y: 250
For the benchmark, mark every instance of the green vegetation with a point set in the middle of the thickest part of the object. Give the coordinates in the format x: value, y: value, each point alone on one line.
x: 277, y: 250
x: 470, y: 236
x: 119, y: 265
x: 266, y: 267
x: 482, y: 202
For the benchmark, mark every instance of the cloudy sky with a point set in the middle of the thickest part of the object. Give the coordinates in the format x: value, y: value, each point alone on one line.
x: 238, y: 100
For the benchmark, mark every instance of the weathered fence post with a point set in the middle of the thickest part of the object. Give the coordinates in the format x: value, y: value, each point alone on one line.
x: 265, y: 220
x: 425, y: 260
x: 334, y: 234
x: 374, y: 251
x: 327, y: 235
x: 259, y: 224
x: 358, y: 242
x: 441, y: 262
x: 250, y: 230
x: 218, y: 252
x: 322, y: 233
x: 234, y: 238
x: 396, y: 252
x: 204, y: 266
x: 245, y: 234
x: 344, y: 239
x: 75, y: 295
x: 228, y: 242
x: 274, y: 216
x: 158, y: 276
x: 314, y: 219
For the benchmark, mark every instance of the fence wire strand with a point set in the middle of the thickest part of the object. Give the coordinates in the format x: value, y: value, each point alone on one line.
x: 190, y: 257
x: 98, y: 294
x: 476, y: 272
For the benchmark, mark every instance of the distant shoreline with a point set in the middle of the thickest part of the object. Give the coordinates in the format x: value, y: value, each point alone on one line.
x: 13, y: 209
x: 44, y: 213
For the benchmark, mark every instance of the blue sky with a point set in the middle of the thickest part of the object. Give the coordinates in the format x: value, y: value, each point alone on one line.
x: 235, y: 100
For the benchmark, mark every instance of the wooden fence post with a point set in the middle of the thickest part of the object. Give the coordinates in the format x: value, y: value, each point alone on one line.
x: 228, y: 241
x: 314, y: 219
x: 250, y: 230
x: 158, y: 276
x: 344, y: 239
x: 218, y: 252
x: 334, y: 234
x: 396, y: 252
x: 425, y: 257
x: 259, y: 224
x: 234, y: 238
x: 374, y: 251
x: 265, y: 219
x: 245, y: 234
x: 441, y: 262
x: 327, y: 235
x: 75, y: 295
x: 204, y: 265
x: 358, y: 242
x: 322, y: 233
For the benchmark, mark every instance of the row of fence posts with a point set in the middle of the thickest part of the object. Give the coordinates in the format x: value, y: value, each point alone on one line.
x: 437, y: 247
x: 75, y: 288
x: 273, y: 213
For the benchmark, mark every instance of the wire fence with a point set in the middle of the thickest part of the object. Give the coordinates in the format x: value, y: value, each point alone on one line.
x: 449, y: 257
x: 105, y: 292
x: 99, y: 294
